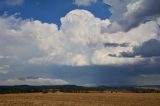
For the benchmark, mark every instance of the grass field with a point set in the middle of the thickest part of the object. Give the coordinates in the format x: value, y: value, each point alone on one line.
x: 80, y: 99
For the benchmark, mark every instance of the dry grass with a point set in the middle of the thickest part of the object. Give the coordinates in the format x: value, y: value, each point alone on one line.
x: 80, y: 99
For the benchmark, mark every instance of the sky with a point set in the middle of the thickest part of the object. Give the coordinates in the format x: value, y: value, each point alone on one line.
x: 80, y: 42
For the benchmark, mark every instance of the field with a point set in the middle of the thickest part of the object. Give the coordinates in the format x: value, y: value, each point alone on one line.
x: 81, y: 99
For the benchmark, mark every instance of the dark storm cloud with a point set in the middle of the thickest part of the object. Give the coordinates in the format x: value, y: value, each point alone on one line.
x: 147, y: 9
x: 128, y: 14
x: 96, y: 74
x: 116, y: 45
x: 150, y: 48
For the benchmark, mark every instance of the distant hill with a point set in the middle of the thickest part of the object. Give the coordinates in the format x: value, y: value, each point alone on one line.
x: 78, y: 89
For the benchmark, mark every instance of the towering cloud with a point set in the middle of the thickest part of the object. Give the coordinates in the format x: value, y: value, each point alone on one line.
x: 79, y: 41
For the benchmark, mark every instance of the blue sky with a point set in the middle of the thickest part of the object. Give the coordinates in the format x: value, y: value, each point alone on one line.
x: 81, y: 42
x: 51, y: 11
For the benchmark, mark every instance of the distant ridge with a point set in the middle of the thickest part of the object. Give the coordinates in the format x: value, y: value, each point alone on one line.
x: 78, y: 89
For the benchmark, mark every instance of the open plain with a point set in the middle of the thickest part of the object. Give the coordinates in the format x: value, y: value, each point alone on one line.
x: 81, y: 99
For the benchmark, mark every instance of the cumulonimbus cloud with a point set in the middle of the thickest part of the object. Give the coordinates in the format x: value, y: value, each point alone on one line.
x: 78, y: 42
x: 81, y: 40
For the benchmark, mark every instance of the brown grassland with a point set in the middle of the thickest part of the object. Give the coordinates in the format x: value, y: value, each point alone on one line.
x: 81, y: 99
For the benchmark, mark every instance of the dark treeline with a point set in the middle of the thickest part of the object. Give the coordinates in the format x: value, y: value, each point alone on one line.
x: 76, y: 89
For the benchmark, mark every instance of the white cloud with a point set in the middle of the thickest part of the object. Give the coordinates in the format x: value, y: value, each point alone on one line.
x: 101, y: 57
x: 84, y: 2
x: 34, y: 81
x: 78, y: 42
x: 135, y: 36
x: 75, y: 41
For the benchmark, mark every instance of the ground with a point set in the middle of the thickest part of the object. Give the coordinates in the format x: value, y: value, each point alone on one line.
x: 80, y: 99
